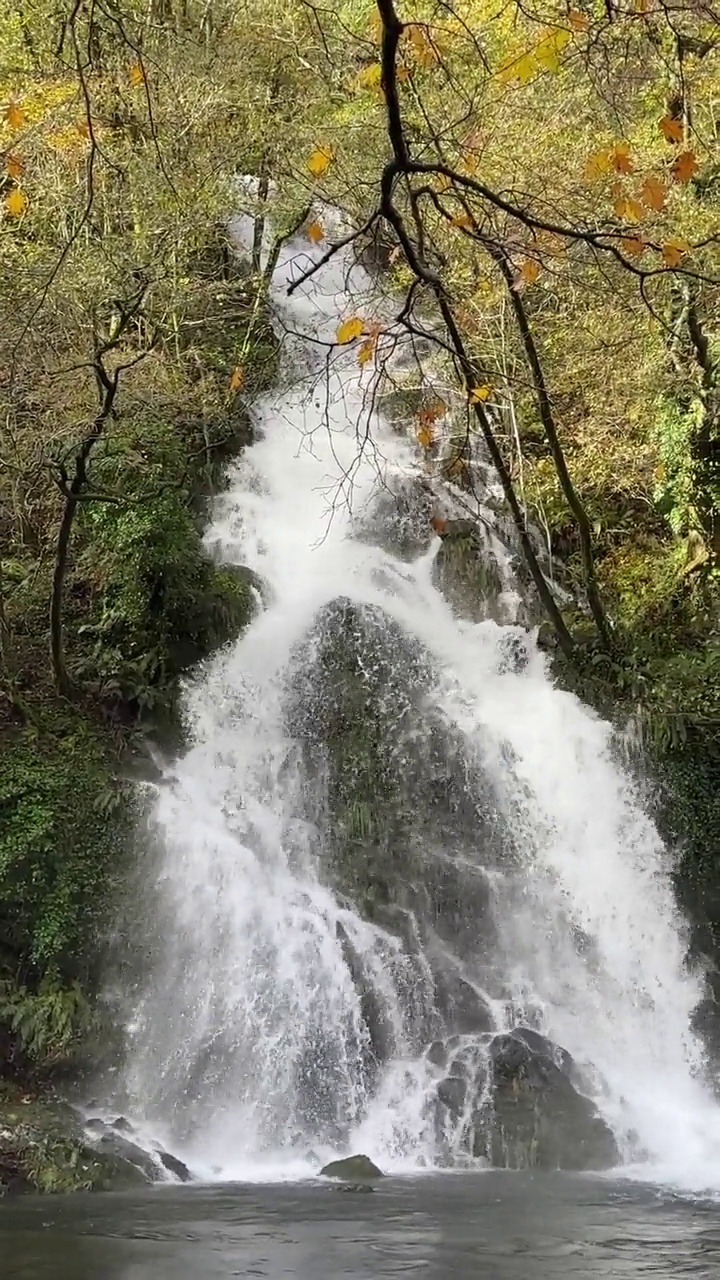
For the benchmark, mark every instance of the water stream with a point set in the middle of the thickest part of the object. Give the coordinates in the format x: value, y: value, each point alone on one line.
x: 490, y: 842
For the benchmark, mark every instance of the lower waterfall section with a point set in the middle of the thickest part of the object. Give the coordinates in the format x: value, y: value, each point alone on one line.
x: 400, y: 877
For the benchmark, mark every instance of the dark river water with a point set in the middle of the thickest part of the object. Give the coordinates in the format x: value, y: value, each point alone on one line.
x: 452, y: 1227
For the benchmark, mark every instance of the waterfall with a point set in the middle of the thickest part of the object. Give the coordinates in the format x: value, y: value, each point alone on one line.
x: 389, y: 827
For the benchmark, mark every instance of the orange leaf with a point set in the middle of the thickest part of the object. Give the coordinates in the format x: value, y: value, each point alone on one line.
x: 479, y: 394
x: 684, y: 166
x: 463, y: 220
x: 425, y: 437
x: 13, y: 166
x: 578, y: 21
x: 319, y: 161
x: 237, y: 378
x: 529, y: 271
x: 674, y: 251
x: 438, y: 524
x: 136, y: 75
x: 620, y: 158
x: 654, y: 194
x: 634, y: 245
x: 430, y: 413
x: 349, y: 330
x: 402, y: 72
x: 14, y: 116
x: 314, y: 231
x: 671, y: 130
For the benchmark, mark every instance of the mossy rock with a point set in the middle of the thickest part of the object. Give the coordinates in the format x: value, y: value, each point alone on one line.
x: 353, y: 1169
x: 44, y: 1148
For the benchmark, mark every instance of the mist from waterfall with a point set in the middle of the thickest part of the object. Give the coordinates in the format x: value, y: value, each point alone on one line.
x: 251, y: 1046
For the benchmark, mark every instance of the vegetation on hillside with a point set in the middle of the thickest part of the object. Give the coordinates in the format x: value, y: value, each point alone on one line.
x: 542, y: 183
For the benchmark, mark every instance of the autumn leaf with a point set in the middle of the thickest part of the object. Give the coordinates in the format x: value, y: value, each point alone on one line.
x: 237, y: 378
x: 671, y: 130
x: 370, y: 77
x: 349, y: 330
x: 438, y: 524
x: 628, y: 209
x: 402, y: 72
x: 16, y: 202
x: 528, y: 273
x: 319, y: 161
x: 462, y: 220
x: 14, y: 116
x: 422, y: 46
x: 634, y: 245
x: 578, y: 21
x: 597, y: 165
x: 674, y: 251
x: 315, y: 232
x: 620, y: 158
x: 478, y: 395
x: 430, y: 413
x: 366, y: 351
x: 654, y: 194
x: 136, y: 75
x: 684, y: 166
x: 13, y: 167
x: 425, y: 436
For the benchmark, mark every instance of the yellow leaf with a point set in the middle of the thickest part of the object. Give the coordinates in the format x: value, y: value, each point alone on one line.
x: 684, y: 166
x: 14, y: 116
x: 674, y: 251
x: 237, y: 378
x: 620, y: 158
x: 370, y: 77
x: 521, y: 69
x: 630, y: 210
x: 136, y: 75
x: 315, y: 232
x: 319, y: 161
x: 597, y: 165
x: 425, y: 436
x: 654, y: 194
x: 13, y: 166
x: 634, y: 245
x: 547, y: 58
x: 671, y: 129
x: 16, y: 202
x: 349, y: 330
x: 479, y: 394
x: 366, y: 350
x: 422, y: 46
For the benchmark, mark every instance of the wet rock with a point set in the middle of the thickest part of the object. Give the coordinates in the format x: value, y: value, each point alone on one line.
x: 175, y: 1166
x: 353, y: 1169
x: 122, y: 1125
x: 437, y: 1054
x: 463, y: 1007
x: 452, y: 1092
x: 542, y: 1045
x: 114, y: 1145
x: 45, y: 1146
x: 353, y: 1186
x: 538, y: 1118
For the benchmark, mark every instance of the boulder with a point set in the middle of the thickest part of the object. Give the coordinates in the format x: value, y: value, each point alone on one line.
x: 538, y: 1119
x: 45, y: 1146
x: 353, y: 1169
x: 175, y: 1166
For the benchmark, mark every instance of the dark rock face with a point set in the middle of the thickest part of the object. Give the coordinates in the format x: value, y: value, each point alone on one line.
x: 538, y: 1118
x: 354, y: 1169
x: 175, y: 1166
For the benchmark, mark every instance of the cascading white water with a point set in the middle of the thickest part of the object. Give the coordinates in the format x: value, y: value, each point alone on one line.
x: 250, y: 1043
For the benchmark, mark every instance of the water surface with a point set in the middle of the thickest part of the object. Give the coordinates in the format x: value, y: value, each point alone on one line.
x: 451, y: 1227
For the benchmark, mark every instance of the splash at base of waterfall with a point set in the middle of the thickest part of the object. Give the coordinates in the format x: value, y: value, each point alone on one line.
x: 391, y: 831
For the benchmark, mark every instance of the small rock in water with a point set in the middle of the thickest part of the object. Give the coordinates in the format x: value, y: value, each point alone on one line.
x: 121, y: 1125
x: 353, y: 1186
x: 354, y: 1169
